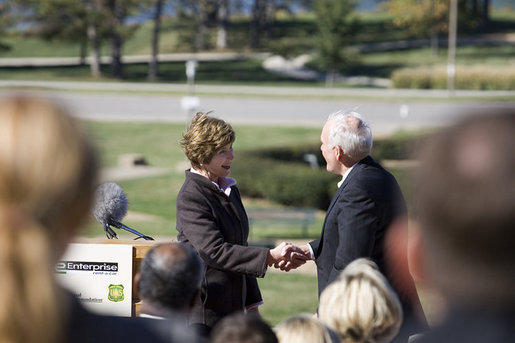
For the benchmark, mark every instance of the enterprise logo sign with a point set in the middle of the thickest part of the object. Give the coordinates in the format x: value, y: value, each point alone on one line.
x: 107, y: 268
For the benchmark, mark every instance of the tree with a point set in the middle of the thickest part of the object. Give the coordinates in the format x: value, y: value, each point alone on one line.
x: 222, y: 21
x: 66, y: 20
x: 117, y: 13
x: 421, y: 17
x: 335, y: 27
x: 55, y: 20
x: 84, y: 21
x: 152, y: 68
x: 5, y: 19
x: 431, y: 17
x: 478, y: 11
x: 196, y: 16
x: 93, y: 20
x: 263, y: 15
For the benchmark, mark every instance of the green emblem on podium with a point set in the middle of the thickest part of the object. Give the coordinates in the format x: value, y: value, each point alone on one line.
x: 115, y: 293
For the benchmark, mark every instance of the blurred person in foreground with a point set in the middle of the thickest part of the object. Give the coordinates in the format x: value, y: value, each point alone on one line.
x: 304, y: 328
x: 212, y: 219
x: 367, y: 201
x: 361, y: 305
x: 48, y: 175
x: 240, y: 328
x: 169, y: 280
x: 463, y: 244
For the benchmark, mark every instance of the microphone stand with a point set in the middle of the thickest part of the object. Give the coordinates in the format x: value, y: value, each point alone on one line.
x: 111, y: 234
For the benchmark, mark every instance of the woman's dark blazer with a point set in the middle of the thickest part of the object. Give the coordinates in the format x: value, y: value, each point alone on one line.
x: 216, y: 225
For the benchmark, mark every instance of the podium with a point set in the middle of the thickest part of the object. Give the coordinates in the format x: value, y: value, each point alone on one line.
x: 100, y: 272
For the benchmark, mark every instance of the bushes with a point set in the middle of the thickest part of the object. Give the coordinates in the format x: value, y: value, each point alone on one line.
x: 395, y: 148
x: 282, y: 175
x: 467, y: 77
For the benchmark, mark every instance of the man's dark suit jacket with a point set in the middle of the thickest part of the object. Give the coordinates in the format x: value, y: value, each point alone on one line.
x: 216, y: 225
x: 357, y: 219
x: 356, y: 223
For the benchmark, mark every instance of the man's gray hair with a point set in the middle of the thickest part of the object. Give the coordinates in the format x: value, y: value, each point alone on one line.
x: 356, y: 142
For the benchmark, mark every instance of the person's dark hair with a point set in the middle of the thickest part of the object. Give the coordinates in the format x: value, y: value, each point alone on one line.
x: 170, y: 275
x: 241, y: 328
x: 466, y: 196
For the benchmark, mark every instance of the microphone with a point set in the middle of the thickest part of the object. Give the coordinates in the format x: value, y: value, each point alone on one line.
x: 111, y: 206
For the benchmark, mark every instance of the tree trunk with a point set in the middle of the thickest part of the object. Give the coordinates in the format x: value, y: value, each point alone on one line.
x: 83, y: 48
x: 201, y: 23
x: 434, y: 42
x: 152, y: 68
x: 433, y: 31
x: 95, y: 51
x: 94, y: 40
x: 116, y: 55
x: 258, y: 18
x: 485, y: 18
x: 269, y: 17
x: 223, y: 13
x: 330, y: 76
x: 117, y: 14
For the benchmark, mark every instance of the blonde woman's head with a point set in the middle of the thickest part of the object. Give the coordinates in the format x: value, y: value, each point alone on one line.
x: 47, y: 179
x: 304, y: 328
x: 205, y: 136
x: 47, y: 166
x: 361, y: 305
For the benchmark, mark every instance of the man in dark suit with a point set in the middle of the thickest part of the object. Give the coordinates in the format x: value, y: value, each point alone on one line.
x: 367, y: 201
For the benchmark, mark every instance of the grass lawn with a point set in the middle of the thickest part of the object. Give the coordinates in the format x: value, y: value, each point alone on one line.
x: 159, y: 144
x: 287, y: 294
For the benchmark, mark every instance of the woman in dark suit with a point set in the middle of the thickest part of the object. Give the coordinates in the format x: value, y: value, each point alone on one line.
x: 212, y: 219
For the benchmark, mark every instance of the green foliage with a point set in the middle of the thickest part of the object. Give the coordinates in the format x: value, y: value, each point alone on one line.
x: 281, y: 175
x: 335, y: 27
x: 467, y: 77
x: 5, y: 22
x: 290, y: 35
x: 395, y: 148
x: 290, y: 47
x: 419, y: 16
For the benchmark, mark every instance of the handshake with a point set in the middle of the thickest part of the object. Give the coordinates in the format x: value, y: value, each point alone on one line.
x: 287, y: 256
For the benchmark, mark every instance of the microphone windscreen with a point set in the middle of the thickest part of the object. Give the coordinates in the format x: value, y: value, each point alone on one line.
x: 111, y: 203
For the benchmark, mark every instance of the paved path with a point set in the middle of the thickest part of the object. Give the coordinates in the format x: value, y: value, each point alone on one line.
x: 387, y: 110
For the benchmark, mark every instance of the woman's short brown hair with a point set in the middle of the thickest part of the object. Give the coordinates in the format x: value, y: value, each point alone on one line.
x: 204, y: 137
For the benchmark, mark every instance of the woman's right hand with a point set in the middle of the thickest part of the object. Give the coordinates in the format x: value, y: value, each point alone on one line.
x: 286, y: 256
